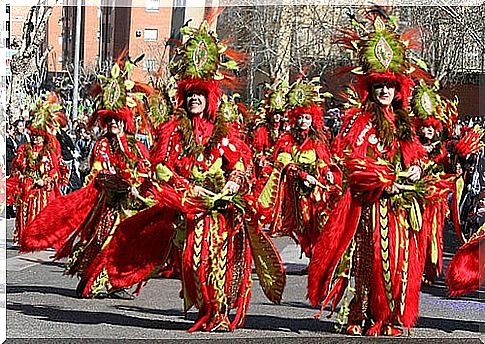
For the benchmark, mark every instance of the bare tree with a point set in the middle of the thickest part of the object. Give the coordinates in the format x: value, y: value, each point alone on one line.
x: 453, y: 39
x: 281, y: 40
x: 28, y: 66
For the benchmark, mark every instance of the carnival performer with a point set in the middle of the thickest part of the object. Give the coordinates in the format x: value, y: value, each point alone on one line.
x: 37, y: 170
x: 268, y: 129
x: 436, y: 119
x: 375, y: 235
x: 80, y: 224
x: 305, y: 182
x: 430, y: 118
x: 199, y: 155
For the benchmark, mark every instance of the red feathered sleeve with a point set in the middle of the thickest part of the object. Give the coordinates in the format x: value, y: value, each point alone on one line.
x: 260, y: 139
x: 166, y: 133
x: 413, y: 152
x: 19, y: 162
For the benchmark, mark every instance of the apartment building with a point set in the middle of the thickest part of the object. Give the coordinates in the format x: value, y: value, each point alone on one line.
x: 109, y: 27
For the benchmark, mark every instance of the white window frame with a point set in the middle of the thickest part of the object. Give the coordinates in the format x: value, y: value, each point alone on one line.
x: 152, y: 5
x: 150, y: 35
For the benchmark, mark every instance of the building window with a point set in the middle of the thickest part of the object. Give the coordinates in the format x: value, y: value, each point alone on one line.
x: 59, y: 40
x: 152, y: 5
x: 149, y: 64
x: 150, y: 35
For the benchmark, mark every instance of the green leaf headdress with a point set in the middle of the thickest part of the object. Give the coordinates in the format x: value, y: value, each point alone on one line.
x: 304, y: 93
x: 203, y: 56
x: 48, y: 116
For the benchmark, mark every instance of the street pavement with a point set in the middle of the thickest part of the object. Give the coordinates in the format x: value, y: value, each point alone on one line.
x: 42, y: 308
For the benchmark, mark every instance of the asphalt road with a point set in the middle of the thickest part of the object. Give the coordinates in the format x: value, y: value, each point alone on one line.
x: 42, y: 308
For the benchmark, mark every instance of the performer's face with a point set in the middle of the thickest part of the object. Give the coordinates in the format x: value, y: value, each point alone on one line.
x: 196, y: 102
x: 304, y: 121
x: 37, y: 140
x: 115, y: 127
x: 276, y: 118
x: 428, y: 132
x: 384, y: 94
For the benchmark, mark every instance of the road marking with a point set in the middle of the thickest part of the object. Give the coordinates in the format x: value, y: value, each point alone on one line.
x: 27, y: 260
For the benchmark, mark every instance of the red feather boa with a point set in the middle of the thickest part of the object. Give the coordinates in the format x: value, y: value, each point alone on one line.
x: 466, y: 272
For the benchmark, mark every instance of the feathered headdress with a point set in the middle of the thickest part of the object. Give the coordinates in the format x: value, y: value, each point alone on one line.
x: 304, y: 97
x: 117, y: 96
x: 382, y: 55
x: 274, y: 100
x: 202, y: 63
x: 424, y: 105
x: 48, y: 116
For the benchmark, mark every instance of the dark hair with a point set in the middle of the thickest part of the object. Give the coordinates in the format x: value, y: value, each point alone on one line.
x: 16, y: 123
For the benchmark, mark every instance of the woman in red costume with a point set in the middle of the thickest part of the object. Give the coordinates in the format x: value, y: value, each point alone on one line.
x: 375, y: 232
x: 38, y: 169
x: 305, y: 183
x: 436, y: 118
x: 201, y: 157
x: 80, y: 224
x: 267, y: 132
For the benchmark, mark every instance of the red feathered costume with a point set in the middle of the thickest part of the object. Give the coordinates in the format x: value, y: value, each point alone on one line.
x: 79, y: 224
x: 300, y: 208
x: 466, y: 271
x: 215, y: 241
x: 374, y: 235
x: 38, y: 171
x: 436, y: 208
x: 263, y: 142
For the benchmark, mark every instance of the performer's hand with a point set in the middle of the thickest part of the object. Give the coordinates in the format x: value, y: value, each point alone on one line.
x: 392, y: 190
x: 428, y: 148
x: 330, y: 177
x: 134, y: 192
x: 199, y: 191
x: 40, y: 182
x: 312, y: 180
x: 230, y: 188
x: 414, y: 173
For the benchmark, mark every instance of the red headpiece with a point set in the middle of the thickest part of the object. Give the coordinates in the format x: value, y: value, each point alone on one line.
x: 403, y: 85
x: 315, y: 111
x: 209, y: 87
x: 431, y: 121
x: 124, y: 114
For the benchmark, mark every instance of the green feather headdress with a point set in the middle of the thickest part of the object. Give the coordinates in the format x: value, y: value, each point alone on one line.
x: 383, y: 50
x: 48, y: 114
x: 424, y: 101
x: 379, y: 48
x: 304, y: 93
x: 275, y: 99
x: 202, y: 55
x: 230, y: 110
x: 116, y: 89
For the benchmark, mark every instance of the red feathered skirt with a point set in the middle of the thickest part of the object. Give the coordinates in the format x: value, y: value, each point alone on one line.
x: 216, y: 269
x: 29, y: 205
x: 94, y: 236
x: 388, y: 263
